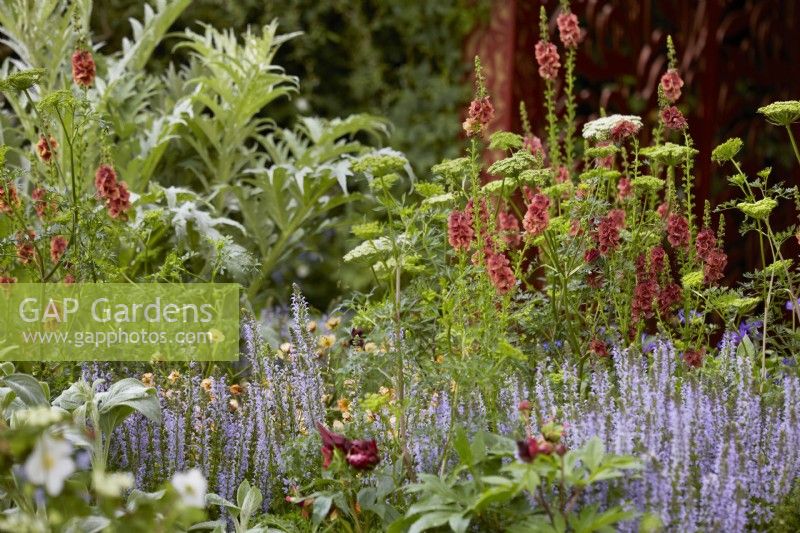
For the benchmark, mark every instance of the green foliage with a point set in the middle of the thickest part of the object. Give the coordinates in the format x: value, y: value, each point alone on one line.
x: 487, y: 491
x: 787, y: 513
x: 248, y: 502
x: 234, y: 82
x: 191, y: 142
x: 403, y: 61
x: 41, y: 445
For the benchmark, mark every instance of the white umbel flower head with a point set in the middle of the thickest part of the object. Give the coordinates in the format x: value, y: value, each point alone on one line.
x: 191, y: 486
x: 50, y: 464
x: 600, y: 129
x: 375, y: 247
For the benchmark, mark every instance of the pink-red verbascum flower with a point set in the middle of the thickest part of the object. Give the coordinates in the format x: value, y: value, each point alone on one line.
x: 562, y: 176
x: 714, y: 266
x: 673, y: 118
x: 537, y: 217
x: 624, y: 188
x: 459, y: 230
x: 598, y: 347
x: 499, y: 268
x: 530, y: 448
x: 39, y: 197
x: 480, y: 114
x: 657, y: 258
x: 114, y: 193
x: 671, y: 84
x: 608, y: 231
x: 622, y: 130
x: 508, y: 226
x: 524, y: 407
x: 533, y: 144
x: 644, y: 295
x: 9, y: 199
x: 25, y: 249
x: 548, y: 60
x: 677, y: 231
x: 668, y: 297
x: 360, y: 454
x: 46, y: 148
x: 58, y: 245
x: 83, y: 68
x: 607, y: 236
x: 706, y: 241
x: 568, y: 29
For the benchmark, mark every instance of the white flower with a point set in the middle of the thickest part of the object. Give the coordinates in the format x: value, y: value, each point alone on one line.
x: 50, y: 464
x: 600, y: 129
x: 439, y: 199
x: 112, y: 484
x: 374, y: 247
x: 191, y: 485
x: 39, y: 416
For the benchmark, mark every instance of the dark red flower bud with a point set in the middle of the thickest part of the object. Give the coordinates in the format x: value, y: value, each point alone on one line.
x: 363, y: 454
x: 694, y: 358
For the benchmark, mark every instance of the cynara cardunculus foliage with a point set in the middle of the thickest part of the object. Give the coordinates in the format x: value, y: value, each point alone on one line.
x: 254, y: 429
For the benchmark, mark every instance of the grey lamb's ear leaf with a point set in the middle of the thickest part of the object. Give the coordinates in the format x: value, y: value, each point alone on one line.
x: 123, y: 398
x: 74, y: 396
x: 27, y: 389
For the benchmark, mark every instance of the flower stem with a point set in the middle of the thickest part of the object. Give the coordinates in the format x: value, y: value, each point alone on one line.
x: 794, y: 144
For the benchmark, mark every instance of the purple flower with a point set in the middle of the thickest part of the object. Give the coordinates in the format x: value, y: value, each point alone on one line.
x: 693, y: 315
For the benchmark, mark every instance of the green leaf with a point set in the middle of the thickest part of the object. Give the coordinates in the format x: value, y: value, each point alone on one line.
x: 214, y: 525
x: 74, y: 396
x: 216, y: 499
x: 123, y: 398
x: 147, y: 36
x: 251, y: 504
x: 459, y: 524
x: 241, y: 492
x: 478, y: 447
x: 650, y: 523
x: 746, y: 347
x: 592, y: 453
x: 322, y: 505
x: 493, y: 495
x: 27, y: 389
x: 430, y: 521
x: 462, y: 446
x: 6, y: 397
x: 89, y: 524
x: 366, y: 496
